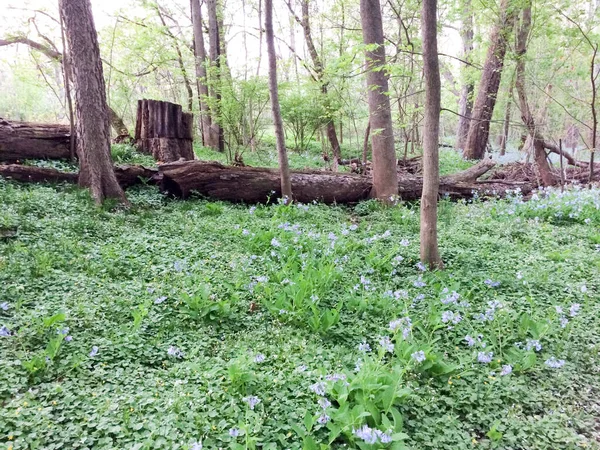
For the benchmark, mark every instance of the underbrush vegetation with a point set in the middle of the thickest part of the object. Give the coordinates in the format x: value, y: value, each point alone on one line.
x: 200, y: 324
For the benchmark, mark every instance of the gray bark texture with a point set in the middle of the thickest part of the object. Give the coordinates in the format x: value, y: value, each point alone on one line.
x: 465, y: 102
x: 284, y: 168
x: 216, y: 132
x: 431, y: 171
x: 201, y: 78
x: 93, y: 125
x: 485, y: 102
x: 385, y: 177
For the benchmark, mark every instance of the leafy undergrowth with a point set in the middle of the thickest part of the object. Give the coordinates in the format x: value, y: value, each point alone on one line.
x: 178, y: 323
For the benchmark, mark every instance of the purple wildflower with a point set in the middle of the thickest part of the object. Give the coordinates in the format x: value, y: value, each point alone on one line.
x: 419, y: 356
x: 159, y: 300
x: 259, y: 358
x: 94, y: 351
x: 491, y: 283
x: 485, y: 357
x: 574, y: 309
x: 252, y: 401
x: 174, y: 351
x: 234, y: 432
x: 318, y: 388
x: 364, y: 347
x: 554, y: 363
x: 506, y: 370
x: 4, y: 306
x: 532, y: 344
x: 469, y: 340
x: 386, y: 344
x: 4, y: 332
x: 323, y: 419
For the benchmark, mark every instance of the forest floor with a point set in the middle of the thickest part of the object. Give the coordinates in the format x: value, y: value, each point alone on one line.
x: 176, y: 323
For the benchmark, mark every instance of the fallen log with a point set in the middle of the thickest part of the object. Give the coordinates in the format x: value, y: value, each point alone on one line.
x: 126, y: 175
x: 27, y: 140
x: 259, y: 185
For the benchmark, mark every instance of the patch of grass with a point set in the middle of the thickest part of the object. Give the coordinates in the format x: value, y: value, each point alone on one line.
x: 177, y: 322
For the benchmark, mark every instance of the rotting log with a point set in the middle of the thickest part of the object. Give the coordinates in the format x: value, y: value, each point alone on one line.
x: 126, y: 175
x: 258, y: 185
x: 28, y: 140
x: 164, y: 131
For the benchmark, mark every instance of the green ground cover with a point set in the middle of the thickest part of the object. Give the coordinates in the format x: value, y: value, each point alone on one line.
x: 176, y: 323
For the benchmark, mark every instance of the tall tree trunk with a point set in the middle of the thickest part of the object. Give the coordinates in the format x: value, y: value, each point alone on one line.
x: 66, y: 70
x: 385, y: 176
x: 483, y: 109
x: 539, y: 153
x: 465, y: 102
x: 431, y: 172
x: 186, y: 80
x: 506, y: 126
x: 216, y: 132
x: 320, y: 76
x: 201, y: 79
x: 284, y: 168
x: 93, y: 128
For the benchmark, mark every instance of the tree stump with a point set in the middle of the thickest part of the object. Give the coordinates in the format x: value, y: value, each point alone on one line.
x: 164, y: 131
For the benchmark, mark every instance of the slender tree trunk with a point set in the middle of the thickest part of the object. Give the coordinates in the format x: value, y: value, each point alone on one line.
x: 431, y: 175
x: 93, y: 128
x: 320, y: 76
x: 466, y: 93
x: 385, y: 176
x: 201, y: 78
x: 186, y: 80
x: 539, y: 153
x: 260, y: 34
x: 506, y: 126
x: 284, y: 168
x: 66, y: 69
x: 483, y: 109
x: 366, y: 144
x: 216, y: 132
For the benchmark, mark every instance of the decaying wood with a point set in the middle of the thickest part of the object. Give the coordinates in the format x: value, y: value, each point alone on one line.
x: 258, y: 185
x: 164, y: 131
x: 26, y: 140
x: 126, y: 175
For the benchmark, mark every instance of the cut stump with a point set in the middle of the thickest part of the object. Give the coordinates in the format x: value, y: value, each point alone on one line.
x: 164, y: 131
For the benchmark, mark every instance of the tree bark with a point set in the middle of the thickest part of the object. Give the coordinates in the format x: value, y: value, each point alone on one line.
x: 93, y: 128
x: 431, y: 171
x: 485, y: 102
x: 126, y: 175
x: 506, y: 125
x: 365, y: 151
x: 284, y: 168
x: 259, y: 185
x: 385, y: 177
x: 466, y: 93
x: 26, y: 140
x: 201, y: 78
x: 216, y: 132
x: 539, y: 153
x: 186, y: 80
